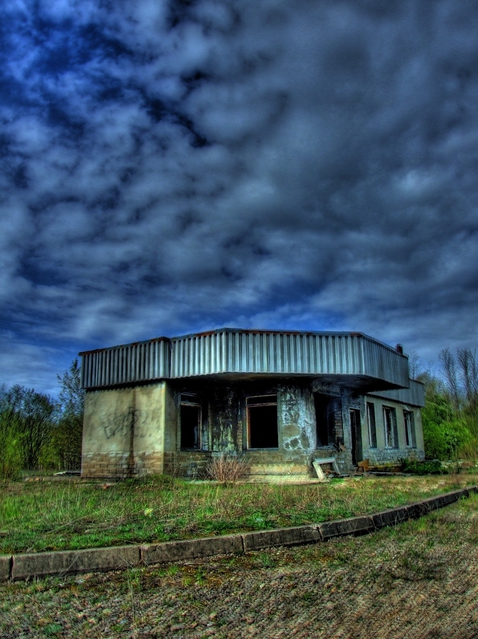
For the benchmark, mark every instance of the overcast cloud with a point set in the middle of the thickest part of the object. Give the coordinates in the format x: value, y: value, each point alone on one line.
x: 171, y: 167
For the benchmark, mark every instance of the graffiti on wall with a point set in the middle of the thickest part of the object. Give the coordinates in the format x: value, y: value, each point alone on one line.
x: 119, y: 424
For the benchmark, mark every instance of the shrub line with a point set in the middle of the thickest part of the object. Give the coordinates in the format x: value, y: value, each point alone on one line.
x: 66, y: 562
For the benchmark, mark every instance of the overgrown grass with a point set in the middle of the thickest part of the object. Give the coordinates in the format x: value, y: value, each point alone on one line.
x: 418, y: 579
x: 53, y: 515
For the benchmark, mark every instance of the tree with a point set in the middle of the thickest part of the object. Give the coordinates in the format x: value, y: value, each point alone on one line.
x: 469, y: 378
x: 66, y: 443
x: 72, y: 396
x: 450, y: 415
x: 10, y: 446
x: 26, y: 419
x: 436, y: 417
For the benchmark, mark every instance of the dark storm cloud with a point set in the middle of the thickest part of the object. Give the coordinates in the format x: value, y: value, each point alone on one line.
x: 172, y: 166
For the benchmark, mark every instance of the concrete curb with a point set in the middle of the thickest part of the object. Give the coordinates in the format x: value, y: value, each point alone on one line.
x: 260, y: 539
x: 66, y: 562
x: 191, y: 549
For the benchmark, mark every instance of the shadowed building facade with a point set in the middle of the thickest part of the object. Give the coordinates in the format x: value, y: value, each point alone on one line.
x: 169, y: 405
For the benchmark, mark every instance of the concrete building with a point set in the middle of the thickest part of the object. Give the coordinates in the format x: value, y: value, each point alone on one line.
x: 282, y: 398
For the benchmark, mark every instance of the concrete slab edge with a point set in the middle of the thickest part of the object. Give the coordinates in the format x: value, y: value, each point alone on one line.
x: 67, y: 562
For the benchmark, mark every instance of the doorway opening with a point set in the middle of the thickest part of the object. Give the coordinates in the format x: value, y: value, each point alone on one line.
x: 262, y: 422
x: 356, y: 430
x: 325, y: 418
x: 190, y: 421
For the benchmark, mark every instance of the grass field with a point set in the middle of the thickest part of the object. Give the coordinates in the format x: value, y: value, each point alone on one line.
x: 71, y: 514
x: 418, y: 579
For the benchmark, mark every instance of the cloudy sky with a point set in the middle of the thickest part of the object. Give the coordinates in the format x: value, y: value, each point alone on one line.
x: 175, y: 166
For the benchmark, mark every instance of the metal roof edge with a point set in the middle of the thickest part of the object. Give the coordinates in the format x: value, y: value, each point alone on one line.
x: 266, y: 331
x: 109, y: 348
x: 249, y: 331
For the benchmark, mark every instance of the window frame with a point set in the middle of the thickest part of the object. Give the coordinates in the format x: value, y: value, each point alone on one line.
x: 390, y: 442
x: 409, y: 425
x: 372, y: 425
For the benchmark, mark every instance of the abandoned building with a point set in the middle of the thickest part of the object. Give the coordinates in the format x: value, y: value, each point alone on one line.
x: 283, y: 399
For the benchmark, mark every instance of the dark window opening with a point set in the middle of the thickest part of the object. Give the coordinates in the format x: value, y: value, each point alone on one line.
x: 410, y: 437
x: 372, y: 427
x: 325, y: 408
x: 390, y: 423
x: 356, y: 432
x: 262, y: 421
x: 190, y: 417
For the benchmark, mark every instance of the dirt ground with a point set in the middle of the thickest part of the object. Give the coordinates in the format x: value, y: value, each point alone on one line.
x: 416, y: 580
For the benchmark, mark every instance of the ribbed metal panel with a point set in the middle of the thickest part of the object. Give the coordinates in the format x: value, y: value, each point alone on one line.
x: 382, y: 362
x: 415, y: 395
x: 247, y: 352
x: 125, y: 364
x: 234, y: 351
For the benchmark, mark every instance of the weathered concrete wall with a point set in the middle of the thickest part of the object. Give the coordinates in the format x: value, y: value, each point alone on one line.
x: 297, y: 431
x: 340, y: 446
x: 225, y: 428
x: 124, y: 431
x: 225, y: 419
x: 382, y: 455
x: 136, y: 431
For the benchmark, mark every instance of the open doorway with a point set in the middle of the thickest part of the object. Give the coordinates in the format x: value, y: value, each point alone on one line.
x: 328, y: 411
x: 190, y: 421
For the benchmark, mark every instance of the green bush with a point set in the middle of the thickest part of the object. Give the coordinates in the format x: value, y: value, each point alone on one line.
x: 448, y: 433
x: 447, y: 439
x: 428, y: 467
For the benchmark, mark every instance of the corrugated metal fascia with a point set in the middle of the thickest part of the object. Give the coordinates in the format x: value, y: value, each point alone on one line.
x: 414, y: 395
x: 125, y: 364
x: 385, y: 363
x: 233, y: 350
x: 329, y: 348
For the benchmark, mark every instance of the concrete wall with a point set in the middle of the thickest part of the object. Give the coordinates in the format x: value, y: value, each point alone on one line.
x: 136, y: 430
x: 124, y: 431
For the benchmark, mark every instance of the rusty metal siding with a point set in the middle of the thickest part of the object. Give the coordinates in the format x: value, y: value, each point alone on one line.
x: 415, y: 395
x: 131, y: 363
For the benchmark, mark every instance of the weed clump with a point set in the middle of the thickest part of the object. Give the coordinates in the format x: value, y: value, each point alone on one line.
x: 228, y: 469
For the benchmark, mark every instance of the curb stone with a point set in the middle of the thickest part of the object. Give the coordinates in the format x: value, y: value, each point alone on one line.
x: 73, y: 561
x: 280, y: 537
x: 66, y: 562
x: 191, y: 549
x: 5, y: 567
x: 390, y: 517
x: 351, y: 526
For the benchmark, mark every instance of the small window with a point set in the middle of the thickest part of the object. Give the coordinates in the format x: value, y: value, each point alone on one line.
x: 190, y: 418
x: 410, y: 437
x: 390, y: 423
x: 372, y: 427
x: 262, y: 421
